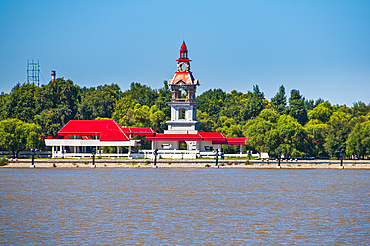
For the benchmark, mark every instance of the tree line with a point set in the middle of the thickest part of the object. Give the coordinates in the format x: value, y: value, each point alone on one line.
x: 299, y: 127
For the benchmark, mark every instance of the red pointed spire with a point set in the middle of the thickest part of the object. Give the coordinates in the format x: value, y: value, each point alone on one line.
x: 183, y: 53
x: 184, y: 49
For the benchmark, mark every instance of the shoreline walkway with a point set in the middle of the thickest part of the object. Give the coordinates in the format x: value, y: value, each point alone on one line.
x: 197, y: 163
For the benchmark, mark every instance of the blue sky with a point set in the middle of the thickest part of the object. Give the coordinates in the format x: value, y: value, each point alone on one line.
x: 321, y: 48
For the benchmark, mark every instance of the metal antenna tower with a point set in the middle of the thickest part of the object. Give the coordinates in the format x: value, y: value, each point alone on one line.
x: 33, y: 72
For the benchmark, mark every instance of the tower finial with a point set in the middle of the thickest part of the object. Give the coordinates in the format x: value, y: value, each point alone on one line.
x: 183, y: 52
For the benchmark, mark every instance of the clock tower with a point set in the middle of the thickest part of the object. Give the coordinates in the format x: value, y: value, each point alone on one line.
x: 183, y: 103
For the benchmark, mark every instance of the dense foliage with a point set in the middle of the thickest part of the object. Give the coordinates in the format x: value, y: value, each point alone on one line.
x: 299, y: 127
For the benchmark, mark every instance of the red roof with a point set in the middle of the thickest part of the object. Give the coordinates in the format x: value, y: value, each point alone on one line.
x: 231, y: 141
x: 139, y: 130
x: 200, y: 136
x: 174, y: 137
x: 212, y: 136
x: 108, y: 130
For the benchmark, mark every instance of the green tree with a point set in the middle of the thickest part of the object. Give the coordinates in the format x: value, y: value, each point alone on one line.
x: 157, y: 119
x: 206, y: 123
x: 360, y: 109
x: 318, y: 101
x: 98, y: 102
x: 337, y: 133
x: 229, y: 128
x: 255, y: 104
x: 62, y: 92
x: 278, y: 102
x: 270, y: 115
x: 233, y: 105
x: 16, y: 135
x: 211, y: 101
x: 52, y: 120
x: 124, y: 108
x: 164, y: 96
x: 294, y: 139
x: 358, y: 143
x: 21, y: 103
x: 309, y: 104
x: 322, y: 112
x: 142, y: 94
x: 317, y: 131
x: 296, y: 107
x: 3, y: 104
x: 358, y: 120
x: 262, y: 135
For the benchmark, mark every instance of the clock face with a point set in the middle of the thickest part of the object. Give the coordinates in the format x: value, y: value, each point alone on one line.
x: 183, y: 67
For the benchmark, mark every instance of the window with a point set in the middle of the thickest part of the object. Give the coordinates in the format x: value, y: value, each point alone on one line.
x: 208, y: 148
x: 181, y: 114
x: 166, y: 146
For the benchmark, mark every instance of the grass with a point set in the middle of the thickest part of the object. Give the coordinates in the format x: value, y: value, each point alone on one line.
x: 207, y: 165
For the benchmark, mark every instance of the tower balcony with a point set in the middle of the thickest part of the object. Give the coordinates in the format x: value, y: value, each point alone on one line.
x: 182, y: 100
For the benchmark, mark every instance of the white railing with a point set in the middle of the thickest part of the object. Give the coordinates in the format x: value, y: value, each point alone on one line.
x: 58, y: 154
x: 171, y: 154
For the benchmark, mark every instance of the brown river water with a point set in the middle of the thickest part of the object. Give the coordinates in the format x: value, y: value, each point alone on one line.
x: 184, y: 206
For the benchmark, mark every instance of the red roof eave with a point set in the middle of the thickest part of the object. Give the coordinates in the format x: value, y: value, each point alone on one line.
x: 231, y: 141
x: 174, y: 137
x: 139, y: 131
x: 212, y: 136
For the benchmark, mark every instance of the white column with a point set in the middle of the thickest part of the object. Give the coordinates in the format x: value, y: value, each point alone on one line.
x: 74, y: 148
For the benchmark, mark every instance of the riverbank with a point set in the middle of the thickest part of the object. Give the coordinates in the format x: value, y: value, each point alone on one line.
x: 197, y: 163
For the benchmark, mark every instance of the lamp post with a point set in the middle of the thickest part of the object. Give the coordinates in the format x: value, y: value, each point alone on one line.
x: 341, y: 153
x: 155, y: 152
x: 279, y: 157
x: 93, y: 152
x: 217, y: 158
x: 33, y: 156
